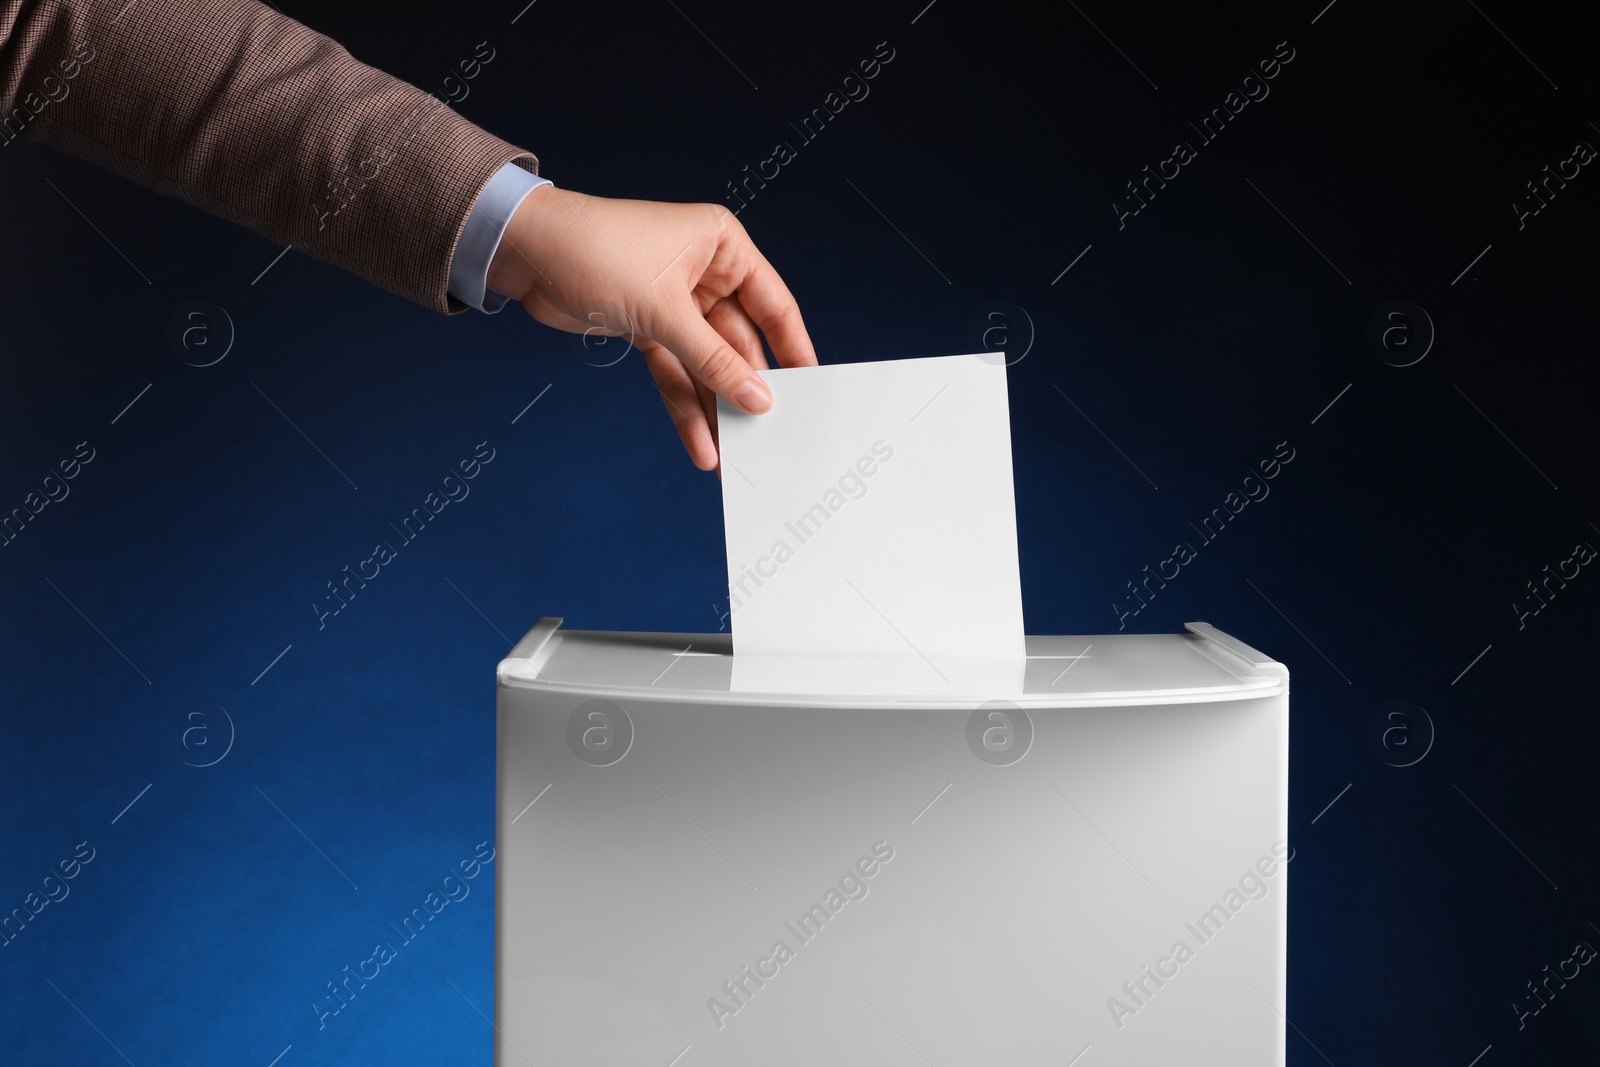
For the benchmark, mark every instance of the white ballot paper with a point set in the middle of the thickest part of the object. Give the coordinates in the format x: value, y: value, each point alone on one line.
x: 871, y: 520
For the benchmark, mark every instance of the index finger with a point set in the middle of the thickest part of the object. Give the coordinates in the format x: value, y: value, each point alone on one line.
x: 768, y: 301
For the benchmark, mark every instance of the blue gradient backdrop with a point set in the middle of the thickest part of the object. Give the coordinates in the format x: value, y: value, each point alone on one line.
x: 1175, y: 353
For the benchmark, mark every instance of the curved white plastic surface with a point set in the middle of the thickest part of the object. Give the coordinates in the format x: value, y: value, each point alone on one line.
x: 1101, y: 670
x: 660, y: 835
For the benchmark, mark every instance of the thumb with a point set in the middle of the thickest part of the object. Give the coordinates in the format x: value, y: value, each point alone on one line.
x: 711, y: 359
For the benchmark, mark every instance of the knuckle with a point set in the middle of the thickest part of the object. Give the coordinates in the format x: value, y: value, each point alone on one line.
x: 782, y: 317
x: 721, y: 367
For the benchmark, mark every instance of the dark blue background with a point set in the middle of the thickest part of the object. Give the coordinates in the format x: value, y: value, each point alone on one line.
x: 1196, y: 339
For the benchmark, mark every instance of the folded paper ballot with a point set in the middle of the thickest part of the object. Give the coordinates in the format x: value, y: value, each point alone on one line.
x: 870, y: 513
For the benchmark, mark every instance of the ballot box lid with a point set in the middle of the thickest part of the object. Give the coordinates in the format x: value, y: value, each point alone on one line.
x: 1201, y: 664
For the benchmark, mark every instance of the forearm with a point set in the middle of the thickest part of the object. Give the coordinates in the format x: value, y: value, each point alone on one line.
x: 252, y: 116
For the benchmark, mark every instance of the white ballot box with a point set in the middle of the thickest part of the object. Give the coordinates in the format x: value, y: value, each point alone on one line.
x: 1079, y: 858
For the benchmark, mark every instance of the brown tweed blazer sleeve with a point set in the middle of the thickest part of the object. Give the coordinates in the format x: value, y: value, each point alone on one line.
x: 250, y: 115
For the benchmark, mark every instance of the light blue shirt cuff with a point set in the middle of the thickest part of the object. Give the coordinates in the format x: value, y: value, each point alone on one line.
x: 480, y: 238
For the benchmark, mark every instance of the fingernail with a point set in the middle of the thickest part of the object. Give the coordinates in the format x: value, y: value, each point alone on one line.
x: 754, y: 396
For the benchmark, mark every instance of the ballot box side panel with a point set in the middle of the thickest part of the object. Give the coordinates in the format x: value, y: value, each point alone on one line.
x: 778, y: 885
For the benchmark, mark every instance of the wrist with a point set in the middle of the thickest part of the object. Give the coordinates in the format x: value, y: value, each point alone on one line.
x: 512, y: 270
